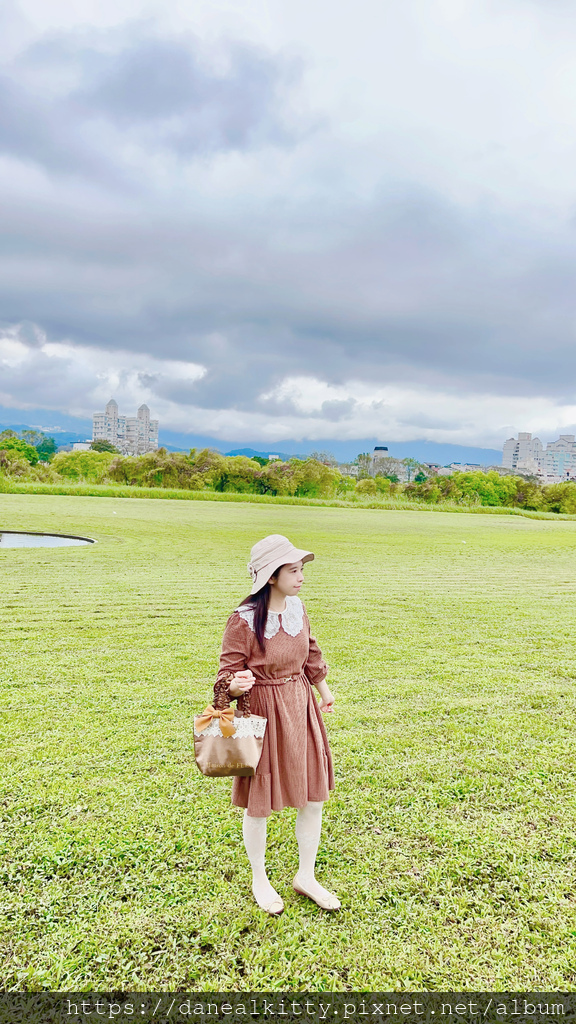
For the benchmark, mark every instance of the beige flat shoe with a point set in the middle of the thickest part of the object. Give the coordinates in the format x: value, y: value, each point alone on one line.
x: 329, y: 903
x: 276, y: 907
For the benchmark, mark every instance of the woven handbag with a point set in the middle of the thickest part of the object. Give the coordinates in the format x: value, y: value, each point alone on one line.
x: 228, y: 742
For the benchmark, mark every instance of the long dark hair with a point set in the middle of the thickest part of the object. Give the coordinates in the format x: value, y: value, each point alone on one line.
x: 259, y: 602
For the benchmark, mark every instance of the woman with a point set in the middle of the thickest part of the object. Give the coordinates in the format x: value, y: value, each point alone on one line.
x: 267, y: 649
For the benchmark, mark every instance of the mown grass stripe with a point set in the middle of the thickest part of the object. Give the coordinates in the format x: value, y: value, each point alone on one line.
x: 451, y: 828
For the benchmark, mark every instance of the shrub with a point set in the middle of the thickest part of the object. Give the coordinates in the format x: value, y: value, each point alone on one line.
x: 208, y: 464
x: 315, y: 480
x: 384, y: 484
x: 560, y: 497
x: 89, y: 466
x: 44, y: 473
x: 346, y: 487
x: 156, y: 469
x: 13, y: 464
x: 366, y: 487
x: 239, y: 474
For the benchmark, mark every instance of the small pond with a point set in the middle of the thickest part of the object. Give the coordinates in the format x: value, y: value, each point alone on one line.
x: 17, y: 539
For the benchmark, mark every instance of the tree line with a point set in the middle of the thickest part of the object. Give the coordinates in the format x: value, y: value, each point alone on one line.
x: 32, y: 458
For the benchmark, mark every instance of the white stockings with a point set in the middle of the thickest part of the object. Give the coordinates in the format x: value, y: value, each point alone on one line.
x: 254, y: 834
x: 308, y: 827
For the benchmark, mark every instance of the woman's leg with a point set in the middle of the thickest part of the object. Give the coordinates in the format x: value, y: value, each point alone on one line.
x: 254, y: 834
x: 308, y: 828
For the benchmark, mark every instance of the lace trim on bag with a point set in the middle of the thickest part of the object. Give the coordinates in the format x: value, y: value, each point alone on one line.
x: 292, y: 618
x: 253, y: 726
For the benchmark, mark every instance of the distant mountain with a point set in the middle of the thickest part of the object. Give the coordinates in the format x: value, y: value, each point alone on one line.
x: 60, y: 436
x: 343, y: 451
x: 67, y: 429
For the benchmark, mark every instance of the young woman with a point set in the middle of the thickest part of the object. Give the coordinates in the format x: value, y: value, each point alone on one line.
x: 267, y: 649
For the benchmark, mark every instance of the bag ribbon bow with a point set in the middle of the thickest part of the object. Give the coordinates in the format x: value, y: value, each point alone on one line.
x: 226, y: 717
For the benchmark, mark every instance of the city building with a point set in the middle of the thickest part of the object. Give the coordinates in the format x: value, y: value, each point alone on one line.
x: 552, y: 464
x: 380, y: 452
x: 523, y: 453
x: 559, y: 461
x: 132, y: 435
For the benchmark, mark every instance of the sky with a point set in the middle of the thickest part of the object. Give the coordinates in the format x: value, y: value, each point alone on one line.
x: 303, y: 219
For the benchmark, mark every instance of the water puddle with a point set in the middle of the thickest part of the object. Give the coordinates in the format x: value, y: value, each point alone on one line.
x: 17, y: 539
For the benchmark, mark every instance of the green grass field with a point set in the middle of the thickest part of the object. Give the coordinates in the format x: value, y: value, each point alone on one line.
x: 450, y: 837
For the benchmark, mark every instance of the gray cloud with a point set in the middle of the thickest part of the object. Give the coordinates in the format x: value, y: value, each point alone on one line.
x: 337, y: 409
x: 160, y: 93
x: 486, y: 308
x: 188, y: 201
x: 165, y: 86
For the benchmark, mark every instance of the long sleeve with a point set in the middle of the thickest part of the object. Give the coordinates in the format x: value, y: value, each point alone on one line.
x: 236, y: 645
x: 315, y: 668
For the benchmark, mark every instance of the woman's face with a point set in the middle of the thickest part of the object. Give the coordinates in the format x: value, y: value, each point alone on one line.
x: 289, y: 579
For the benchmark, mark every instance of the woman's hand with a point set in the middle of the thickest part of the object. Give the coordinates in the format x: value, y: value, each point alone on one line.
x: 326, y: 698
x: 241, y: 683
x: 327, y: 703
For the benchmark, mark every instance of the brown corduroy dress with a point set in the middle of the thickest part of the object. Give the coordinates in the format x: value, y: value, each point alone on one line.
x: 296, y: 764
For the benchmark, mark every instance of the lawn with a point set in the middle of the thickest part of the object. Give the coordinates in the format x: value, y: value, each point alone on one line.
x: 450, y: 837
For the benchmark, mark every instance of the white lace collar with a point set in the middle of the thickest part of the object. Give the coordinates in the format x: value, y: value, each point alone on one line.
x: 292, y: 618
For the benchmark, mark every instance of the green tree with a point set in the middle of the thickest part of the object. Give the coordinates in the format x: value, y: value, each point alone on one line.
x: 411, y: 466
x: 159, y: 468
x: 89, y: 466
x: 104, y: 446
x: 209, y: 465
x: 315, y: 480
x: 326, y: 458
x: 345, y: 486
x: 33, y: 437
x: 46, y: 449
x: 239, y: 474
x: 25, y: 450
x: 279, y: 477
x: 364, y: 463
x: 388, y: 466
x: 480, y: 488
x: 486, y: 488
x: 45, y: 446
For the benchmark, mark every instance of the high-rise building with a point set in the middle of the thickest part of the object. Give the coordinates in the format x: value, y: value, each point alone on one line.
x: 560, y: 459
x: 132, y: 435
x: 523, y: 453
x: 527, y: 454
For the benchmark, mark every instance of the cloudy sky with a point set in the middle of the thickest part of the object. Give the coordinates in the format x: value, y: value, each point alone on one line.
x: 292, y: 218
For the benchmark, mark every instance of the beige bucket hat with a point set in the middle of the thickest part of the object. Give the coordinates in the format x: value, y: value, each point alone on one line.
x: 270, y: 553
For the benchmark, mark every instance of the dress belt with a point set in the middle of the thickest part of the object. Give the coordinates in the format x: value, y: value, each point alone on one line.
x: 272, y: 680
